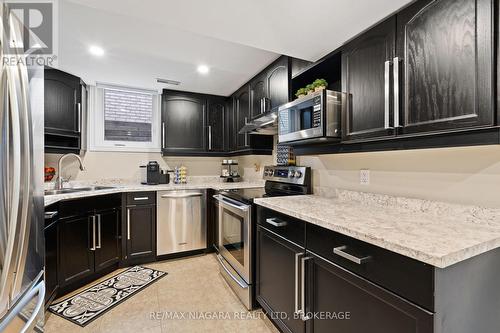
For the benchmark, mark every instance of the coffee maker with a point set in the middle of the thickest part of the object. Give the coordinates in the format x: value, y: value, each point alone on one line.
x: 150, y: 174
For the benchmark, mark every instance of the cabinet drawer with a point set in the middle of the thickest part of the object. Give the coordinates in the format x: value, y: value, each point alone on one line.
x: 288, y: 227
x: 404, y: 276
x: 141, y: 198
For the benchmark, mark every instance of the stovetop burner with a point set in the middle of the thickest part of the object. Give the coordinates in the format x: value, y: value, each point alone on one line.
x: 280, y: 181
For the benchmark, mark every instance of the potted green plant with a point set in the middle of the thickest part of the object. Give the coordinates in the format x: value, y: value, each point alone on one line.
x: 309, y: 88
x: 320, y: 84
x: 301, y: 93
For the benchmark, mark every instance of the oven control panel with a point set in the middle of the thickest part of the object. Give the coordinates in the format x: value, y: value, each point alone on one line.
x: 288, y: 174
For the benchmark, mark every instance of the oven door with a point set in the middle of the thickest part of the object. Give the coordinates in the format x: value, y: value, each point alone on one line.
x: 234, y: 235
x: 301, y: 119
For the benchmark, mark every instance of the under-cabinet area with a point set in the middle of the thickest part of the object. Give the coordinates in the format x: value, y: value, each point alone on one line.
x: 220, y: 166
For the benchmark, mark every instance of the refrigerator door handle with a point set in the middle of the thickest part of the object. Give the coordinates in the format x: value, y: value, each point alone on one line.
x: 10, y: 103
x: 39, y: 290
x: 26, y: 176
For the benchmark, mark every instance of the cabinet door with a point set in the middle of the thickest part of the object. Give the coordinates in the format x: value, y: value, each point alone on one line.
x: 242, y: 104
x: 216, y: 124
x: 447, y: 66
x: 76, y: 257
x: 62, y: 102
x: 365, y: 73
x: 351, y: 304
x: 276, y: 284
x: 258, y: 94
x: 277, y: 83
x: 183, y: 120
x: 140, y: 232
x: 107, y: 251
x: 51, y: 282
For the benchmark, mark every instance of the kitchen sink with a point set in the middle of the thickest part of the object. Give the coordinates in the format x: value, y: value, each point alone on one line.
x: 77, y: 189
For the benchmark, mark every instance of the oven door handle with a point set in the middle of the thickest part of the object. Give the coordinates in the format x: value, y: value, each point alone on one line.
x: 237, y: 280
x: 226, y: 202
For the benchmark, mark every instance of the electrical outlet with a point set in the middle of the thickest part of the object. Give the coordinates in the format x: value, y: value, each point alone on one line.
x: 364, y: 177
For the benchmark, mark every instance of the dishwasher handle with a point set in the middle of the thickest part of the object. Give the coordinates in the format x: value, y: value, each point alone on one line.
x: 185, y: 195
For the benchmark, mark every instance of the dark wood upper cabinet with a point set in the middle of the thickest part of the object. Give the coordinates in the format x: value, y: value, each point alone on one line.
x: 277, y: 83
x: 365, y: 71
x: 62, y: 97
x: 258, y: 95
x: 446, y: 68
x: 64, y: 108
x: 107, y: 251
x: 216, y: 124
x: 332, y: 289
x: 183, y: 123
x: 242, y: 111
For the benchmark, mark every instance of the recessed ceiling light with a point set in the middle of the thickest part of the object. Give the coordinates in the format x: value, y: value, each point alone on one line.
x: 203, y: 69
x: 96, y: 50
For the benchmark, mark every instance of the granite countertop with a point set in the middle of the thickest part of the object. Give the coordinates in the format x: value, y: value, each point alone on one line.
x: 119, y: 187
x: 436, y: 233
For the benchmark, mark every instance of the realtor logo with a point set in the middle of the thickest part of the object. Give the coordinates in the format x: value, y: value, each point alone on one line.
x: 28, y: 28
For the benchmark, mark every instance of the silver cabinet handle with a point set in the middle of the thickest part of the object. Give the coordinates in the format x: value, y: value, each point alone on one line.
x: 140, y: 198
x: 163, y: 134
x: 303, y: 289
x: 93, y: 234
x: 387, y: 94
x: 209, y: 137
x: 128, y: 223
x: 79, y: 115
x: 276, y: 222
x: 50, y: 215
x: 396, y: 90
x: 98, y: 231
x: 246, y: 134
x: 297, y: 277
x: 340, y: 251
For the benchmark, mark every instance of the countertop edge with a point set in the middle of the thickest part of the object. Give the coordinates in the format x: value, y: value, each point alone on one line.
x: 438, y: 262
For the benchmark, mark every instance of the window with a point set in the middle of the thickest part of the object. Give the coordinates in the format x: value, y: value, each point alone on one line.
x: 124, y: 119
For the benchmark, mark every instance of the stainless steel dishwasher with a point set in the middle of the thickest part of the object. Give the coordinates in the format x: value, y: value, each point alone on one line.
x: 181, y: 221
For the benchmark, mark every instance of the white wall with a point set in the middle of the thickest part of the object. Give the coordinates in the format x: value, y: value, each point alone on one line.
x: 125, y: 166
x: 469, y: 175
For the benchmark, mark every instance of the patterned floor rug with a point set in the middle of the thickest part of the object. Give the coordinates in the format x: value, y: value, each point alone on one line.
x: 93, y: 302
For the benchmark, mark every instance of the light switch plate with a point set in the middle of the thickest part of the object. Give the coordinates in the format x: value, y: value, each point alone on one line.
x: 364, y: 177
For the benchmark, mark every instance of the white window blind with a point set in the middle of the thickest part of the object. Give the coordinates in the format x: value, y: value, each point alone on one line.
x: 124, y: 119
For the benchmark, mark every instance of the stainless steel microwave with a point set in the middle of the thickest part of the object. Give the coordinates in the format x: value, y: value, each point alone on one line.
x: 310, y: 118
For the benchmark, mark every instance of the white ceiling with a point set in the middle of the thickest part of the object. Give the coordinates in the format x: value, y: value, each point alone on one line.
x: 147, y: 39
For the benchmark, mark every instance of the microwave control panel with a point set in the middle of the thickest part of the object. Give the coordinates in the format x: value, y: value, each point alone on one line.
x: 316, y: 121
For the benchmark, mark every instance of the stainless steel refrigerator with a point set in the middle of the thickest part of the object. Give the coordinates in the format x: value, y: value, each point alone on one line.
x: 22, y: 287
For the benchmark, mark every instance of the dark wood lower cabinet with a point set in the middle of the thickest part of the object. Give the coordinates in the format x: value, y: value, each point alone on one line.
x: 107, y: 252
x: 340, y: 301
x: 76, y: 259
x: 276, y: 288
x: 140, y: 233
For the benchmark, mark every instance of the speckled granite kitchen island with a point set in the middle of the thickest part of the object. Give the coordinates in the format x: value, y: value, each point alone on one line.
x: 439, y: 234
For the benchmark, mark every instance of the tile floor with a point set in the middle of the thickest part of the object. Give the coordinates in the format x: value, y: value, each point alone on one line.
x: 193, y: 285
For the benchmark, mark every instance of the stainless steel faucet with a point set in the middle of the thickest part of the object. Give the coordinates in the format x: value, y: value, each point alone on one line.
x: 60, y: 180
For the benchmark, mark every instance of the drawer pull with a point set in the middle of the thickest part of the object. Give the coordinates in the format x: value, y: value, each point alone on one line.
x: 140, y: 198
x: 276, y: 222
x: 340, y: 251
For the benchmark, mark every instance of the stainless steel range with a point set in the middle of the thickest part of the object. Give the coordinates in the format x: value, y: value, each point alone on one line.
x: 237, y: 227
